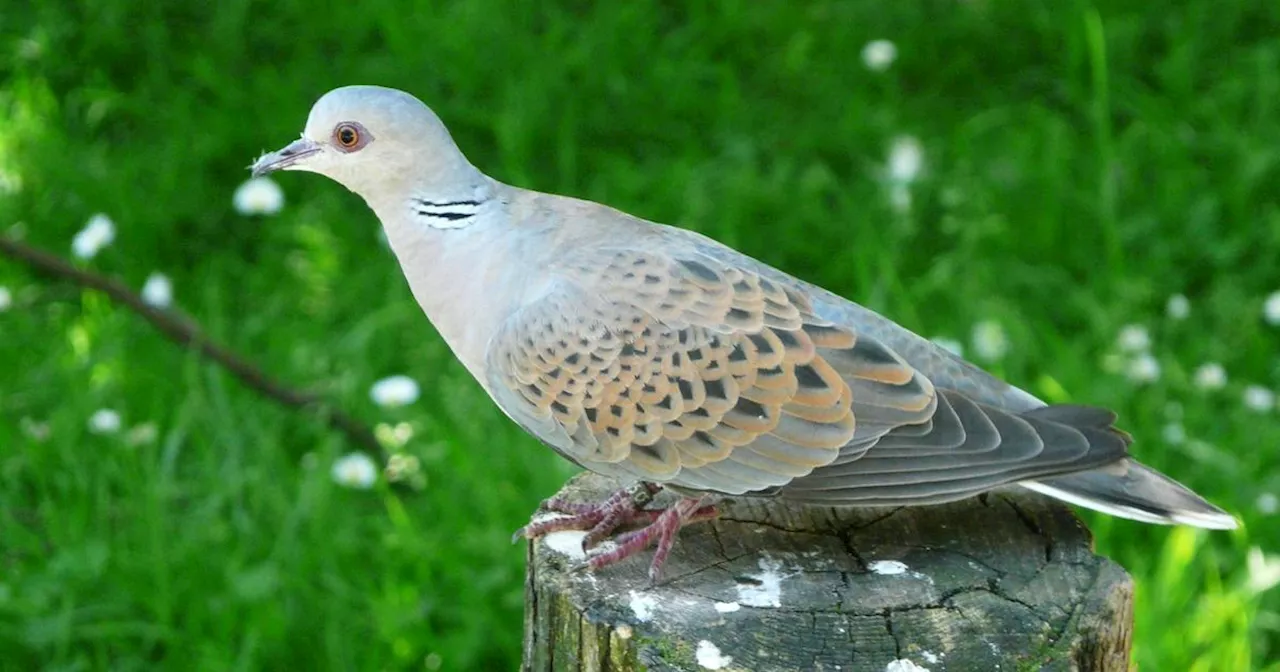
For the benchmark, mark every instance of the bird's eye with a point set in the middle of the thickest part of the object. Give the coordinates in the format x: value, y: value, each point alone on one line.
x: 348, y: 136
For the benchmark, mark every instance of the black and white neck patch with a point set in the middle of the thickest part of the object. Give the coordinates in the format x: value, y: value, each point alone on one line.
x: 446, y: 214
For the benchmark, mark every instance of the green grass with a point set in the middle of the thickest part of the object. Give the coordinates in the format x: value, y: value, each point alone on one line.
x: 1083, y: 164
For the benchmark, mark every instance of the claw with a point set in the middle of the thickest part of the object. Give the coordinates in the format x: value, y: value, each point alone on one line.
x: 622, y: 508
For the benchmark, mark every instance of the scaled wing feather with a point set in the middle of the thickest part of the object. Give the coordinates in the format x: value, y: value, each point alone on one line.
x: 695, y: 373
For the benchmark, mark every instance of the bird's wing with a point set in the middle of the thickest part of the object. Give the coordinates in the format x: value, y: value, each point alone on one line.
x: 943, y: 368
x: 682, y: 369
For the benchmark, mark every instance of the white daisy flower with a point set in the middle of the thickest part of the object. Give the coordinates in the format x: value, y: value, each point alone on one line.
x: 258, y: 196
x: 157, y: 291
x: 1210, y: 376
x: 355, y: 470
x: 989, y: 340
x: 6, y: 298
x: 1264, y: 571
x: 104, y: 421
x: 1143, y: 369
x: 1258, y: 398
x: 906, y: 159
x: 1134, y: 338
x: 1178, y: 307
x: 878, y: 55
x: 902, y: 167
x: 1271, y: 309
x: 1267, y: 503
x: 98, y: 233
x: 394, y: 391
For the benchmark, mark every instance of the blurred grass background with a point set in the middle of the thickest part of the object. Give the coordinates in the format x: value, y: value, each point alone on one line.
x: 1082, y: 163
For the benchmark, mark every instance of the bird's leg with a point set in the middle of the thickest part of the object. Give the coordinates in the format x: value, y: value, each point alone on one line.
x: 599, y: 519
x: 664, y: 528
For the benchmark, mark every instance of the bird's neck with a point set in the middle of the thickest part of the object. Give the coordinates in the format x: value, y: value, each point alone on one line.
x: 452, y: 249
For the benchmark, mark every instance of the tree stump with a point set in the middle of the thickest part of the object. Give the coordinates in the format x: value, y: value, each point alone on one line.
x: 1006, y: 581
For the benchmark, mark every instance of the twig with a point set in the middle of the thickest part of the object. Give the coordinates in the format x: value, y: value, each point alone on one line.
x: 185, y: 332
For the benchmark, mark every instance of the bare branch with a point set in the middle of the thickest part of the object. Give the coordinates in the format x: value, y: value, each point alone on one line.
x: 185, y: 332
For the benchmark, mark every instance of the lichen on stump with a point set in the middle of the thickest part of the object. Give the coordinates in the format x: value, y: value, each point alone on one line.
x: 1004, y: 581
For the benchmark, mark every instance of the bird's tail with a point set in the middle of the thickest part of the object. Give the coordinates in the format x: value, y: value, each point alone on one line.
x: 1132, y: 490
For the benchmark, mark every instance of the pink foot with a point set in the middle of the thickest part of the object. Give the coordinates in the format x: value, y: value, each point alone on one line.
x: 664, y: 528
x: 599, y: 520
x: 620, y: 509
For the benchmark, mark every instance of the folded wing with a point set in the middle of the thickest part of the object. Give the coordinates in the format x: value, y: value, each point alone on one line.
x: 702, y: 375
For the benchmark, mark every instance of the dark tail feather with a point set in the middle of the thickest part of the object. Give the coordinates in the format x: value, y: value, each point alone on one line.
x: 1132, y: 490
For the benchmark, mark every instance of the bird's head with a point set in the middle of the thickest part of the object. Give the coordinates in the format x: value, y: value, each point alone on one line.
x: 372, y: 140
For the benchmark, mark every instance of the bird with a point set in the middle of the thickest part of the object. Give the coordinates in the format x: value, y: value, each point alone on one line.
x: 662, y: 358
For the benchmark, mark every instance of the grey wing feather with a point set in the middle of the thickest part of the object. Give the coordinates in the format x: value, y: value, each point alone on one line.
x: 969, y: 449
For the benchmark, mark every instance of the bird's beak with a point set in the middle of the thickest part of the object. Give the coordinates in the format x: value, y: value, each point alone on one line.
x: 285, y: 158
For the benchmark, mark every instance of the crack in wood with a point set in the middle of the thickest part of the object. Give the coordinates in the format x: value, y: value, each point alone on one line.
x: 864, y: 525
x: 1032, y: 525
x: 897, y: 643
x: 781, y: 528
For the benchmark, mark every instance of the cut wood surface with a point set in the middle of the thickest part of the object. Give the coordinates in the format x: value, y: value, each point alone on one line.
x: 1006, y: 581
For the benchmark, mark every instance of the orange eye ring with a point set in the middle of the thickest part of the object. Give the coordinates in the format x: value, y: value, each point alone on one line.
x: 347, y: 135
